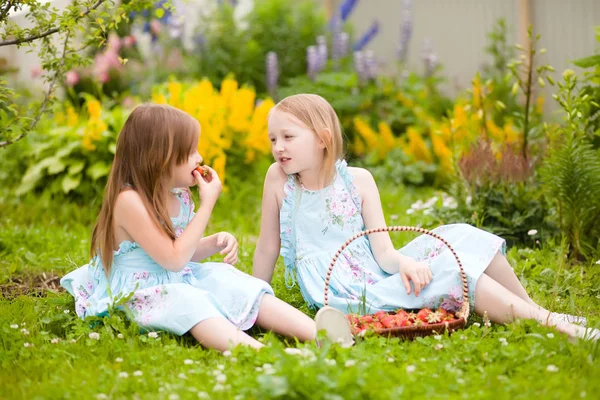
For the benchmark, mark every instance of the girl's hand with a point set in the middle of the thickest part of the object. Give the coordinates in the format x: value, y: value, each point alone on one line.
x: 230, y: 247
x: 209, y: 188
x: 417, y: 272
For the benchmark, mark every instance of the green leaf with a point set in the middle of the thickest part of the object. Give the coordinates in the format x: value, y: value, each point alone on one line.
x: 98, y: 170
x: 588, y: 62
x: 56, y: 166
x: 69, y: 183
x: 159, y: 13
x: 76, y: 167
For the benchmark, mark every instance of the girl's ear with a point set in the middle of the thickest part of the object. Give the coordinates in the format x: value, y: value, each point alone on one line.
x: 325, y: 134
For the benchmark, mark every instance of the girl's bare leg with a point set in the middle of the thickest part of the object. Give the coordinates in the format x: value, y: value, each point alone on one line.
x: 280, y: 317
x: 218, y: 333
x: 504, y: 306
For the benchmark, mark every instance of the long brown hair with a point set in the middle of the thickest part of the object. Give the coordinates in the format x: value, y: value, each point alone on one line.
x: 153, y: 140
x: 317, y: 114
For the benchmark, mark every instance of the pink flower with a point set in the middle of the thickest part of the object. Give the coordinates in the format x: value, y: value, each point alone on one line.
x: 155, y: 27
x: 128, y: 41
x: 72, y: 78
x: 36, y: 72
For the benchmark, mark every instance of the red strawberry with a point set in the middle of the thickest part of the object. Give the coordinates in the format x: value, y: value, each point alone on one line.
x: 366, y: 319
x: 381, y: 315
x: 401, y: 313
x: 377, y: 325
x: 388, y: 321
x: 422, y: 314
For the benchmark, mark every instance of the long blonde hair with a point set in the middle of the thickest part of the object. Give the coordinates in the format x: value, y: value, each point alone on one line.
x: 153, y: 140
x: 317, y: 114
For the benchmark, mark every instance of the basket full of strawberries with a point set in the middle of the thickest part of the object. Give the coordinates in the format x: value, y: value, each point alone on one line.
x: 402, y: 323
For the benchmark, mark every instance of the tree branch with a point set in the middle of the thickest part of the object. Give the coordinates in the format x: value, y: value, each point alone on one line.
x: 46, y: 96
x: 5, y: 10
x: 50, y: 31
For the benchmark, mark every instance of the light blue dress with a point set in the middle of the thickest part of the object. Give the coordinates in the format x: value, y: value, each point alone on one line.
x: 314, y: 224
x: 164, y: 300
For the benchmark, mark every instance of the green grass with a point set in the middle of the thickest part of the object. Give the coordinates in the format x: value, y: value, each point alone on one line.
x: 40, y: 235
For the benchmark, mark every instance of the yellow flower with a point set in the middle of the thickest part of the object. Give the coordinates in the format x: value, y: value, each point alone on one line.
x: 174, y: 89
x: 72, y: 117
x: 417, y: 146
x: 443, y: 153
x: 228, y: 88
x: 94, y: 108
x: 388, y: 141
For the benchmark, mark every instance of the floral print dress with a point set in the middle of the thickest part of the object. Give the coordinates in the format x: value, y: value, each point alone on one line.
x: 165, y: 300
x: 314, y: 224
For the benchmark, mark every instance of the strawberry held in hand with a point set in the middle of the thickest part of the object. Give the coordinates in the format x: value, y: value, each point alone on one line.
x: 204, y: 172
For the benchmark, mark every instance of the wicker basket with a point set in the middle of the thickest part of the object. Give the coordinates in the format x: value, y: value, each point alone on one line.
x: 410, y: 332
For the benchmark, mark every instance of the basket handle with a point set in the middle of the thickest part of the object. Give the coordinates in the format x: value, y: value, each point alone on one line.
x: 464, y: 310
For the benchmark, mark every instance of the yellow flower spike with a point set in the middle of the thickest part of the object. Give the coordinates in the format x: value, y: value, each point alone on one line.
x: 460, y: 117
x: 443, y: 153
x: 387, y: 137
x: 366, y: 133
x: 417, y: 146
x: 72, y: 117
x: 94, y: 108
x: 174, y: 89
x: 228, y: 88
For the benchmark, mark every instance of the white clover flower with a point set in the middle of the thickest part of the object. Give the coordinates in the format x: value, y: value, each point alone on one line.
x: 598, y: 262
x: 552, y: 368
x: 101, y: 396
x: 120, y: 336
x: 410, y: 369
x: 460, y: 381
x: 28, y: 344
x: 532, y: 232
x: 220, y: 367
x: 203, y: 395
x: 73, y: 341
x: 350, y: 363
x: 477, y: 324
x: 550, y: 335
x: 24, y: 331
x: 227, y: 353
x: 330, y: 362
x: 94, y: 336
x: 173, y: 396
x: 153, y: 335
x: 221, y: 378
x: 503, y: 341
x: 218, y: 388
x: 410, y: 211
x: 66, y: 311
x: 187, y: 361
x: 394, y: 217
x: 438, y: 346
x: 182, y: 376
x: 14, y: 326
x: 233, y: 359
x: 138, y: 373
x: 293, y: 351
x: 391, y: 359
x: 119, y: 360
x: 258, y: 369
x: 437, y: 337
x: 55, y: 340
x: 463, y: 337
x: 123, y: 375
